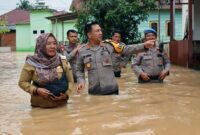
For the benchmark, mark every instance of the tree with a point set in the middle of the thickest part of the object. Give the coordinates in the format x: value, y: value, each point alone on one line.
x: 124, y: 15
x: 3, y: 28
x: 24, y: 4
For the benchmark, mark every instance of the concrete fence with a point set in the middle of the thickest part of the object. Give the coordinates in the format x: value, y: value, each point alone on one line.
x: 4, y: 49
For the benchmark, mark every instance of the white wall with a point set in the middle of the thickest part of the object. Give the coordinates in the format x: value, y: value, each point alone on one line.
x: 184, y: 14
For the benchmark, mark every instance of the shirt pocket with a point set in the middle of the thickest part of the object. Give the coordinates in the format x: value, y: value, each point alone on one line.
x: 88, y: 63
x: 106, y: 59
x: 160, y: 61
x: 147, y: 60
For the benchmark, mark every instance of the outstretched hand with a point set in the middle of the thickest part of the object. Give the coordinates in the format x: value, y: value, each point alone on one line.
x: 149, y: 44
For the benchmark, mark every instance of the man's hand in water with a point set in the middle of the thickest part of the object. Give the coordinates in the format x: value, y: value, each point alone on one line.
x: 144, y: 76
x: 163, y: 74
x: 80, y: 87
x: 149, y: 44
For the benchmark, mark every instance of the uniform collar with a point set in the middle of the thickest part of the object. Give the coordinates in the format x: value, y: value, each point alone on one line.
x: 153, y: 49
x: 93, y: 48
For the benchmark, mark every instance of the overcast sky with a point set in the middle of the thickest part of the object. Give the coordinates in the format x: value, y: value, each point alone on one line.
x: 8, y: 5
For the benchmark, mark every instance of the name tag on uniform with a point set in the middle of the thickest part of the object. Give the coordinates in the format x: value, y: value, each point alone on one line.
x: 88, y: 63
x: 63, y: 57
x: 147, y: 57
x: 106, y: 60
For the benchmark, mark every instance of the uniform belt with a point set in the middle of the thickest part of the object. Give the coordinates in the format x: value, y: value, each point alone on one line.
x: 152, y: 79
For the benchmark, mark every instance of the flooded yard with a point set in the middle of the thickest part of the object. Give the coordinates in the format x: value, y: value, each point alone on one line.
x: 171, y: 108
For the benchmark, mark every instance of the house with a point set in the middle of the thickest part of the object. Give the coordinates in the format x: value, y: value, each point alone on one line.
x: 28, y: 31
x: 42, y: 20
x: 11, y: 18
x: 186, y: 52
x: 159, y: 20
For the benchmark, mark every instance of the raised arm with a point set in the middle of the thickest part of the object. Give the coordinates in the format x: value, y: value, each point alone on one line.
x: 129, y: 49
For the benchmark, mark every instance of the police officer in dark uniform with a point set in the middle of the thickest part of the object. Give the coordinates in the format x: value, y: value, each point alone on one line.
x: 153, y: 65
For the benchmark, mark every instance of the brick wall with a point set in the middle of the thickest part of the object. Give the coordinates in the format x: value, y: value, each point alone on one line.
x: 8, y: 39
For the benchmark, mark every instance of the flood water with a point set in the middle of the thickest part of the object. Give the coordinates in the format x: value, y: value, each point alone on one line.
x: 171, y: 108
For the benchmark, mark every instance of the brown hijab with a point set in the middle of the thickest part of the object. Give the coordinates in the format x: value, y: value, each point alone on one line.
x: 45, y: 66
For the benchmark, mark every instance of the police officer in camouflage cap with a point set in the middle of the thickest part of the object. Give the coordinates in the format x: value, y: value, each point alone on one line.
x: 95, y: 58
x: 153, y: 65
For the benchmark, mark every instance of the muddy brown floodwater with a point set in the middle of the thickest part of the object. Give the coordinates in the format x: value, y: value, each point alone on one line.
x: 171, y: 108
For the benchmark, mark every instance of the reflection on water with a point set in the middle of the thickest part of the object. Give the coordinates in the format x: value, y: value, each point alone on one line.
x: 171, y: 108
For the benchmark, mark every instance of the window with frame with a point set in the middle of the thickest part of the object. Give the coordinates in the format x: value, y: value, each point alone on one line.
x: 154, y: 25
x: 34, y: 31
x: 42, y: 31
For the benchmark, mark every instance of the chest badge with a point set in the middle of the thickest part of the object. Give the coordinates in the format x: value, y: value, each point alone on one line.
x: 88, y: 65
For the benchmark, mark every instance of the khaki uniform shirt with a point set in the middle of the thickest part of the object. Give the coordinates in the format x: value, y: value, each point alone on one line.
x: 97, y: 62
x: 28, y: 76
x: 151, y: 62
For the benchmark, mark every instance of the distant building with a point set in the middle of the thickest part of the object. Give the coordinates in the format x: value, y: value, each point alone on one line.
x: 42, y: 20
x: 28, y: 31
x: 12, y: 18
x: 162, y: 18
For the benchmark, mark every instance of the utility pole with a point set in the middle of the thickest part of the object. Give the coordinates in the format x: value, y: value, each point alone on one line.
x: 159, y: 21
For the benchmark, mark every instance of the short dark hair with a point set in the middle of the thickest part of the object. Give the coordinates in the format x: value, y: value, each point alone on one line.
x: 72, y: 31
x: 88, y: 27
x: 116, y: 31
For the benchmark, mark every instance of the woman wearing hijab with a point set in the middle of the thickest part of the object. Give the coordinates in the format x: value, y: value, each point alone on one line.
x: 45, y: 75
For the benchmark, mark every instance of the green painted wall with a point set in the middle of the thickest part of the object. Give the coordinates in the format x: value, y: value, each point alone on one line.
x: 164, y: 16
x: 23, y: 37
x: 38, y: 22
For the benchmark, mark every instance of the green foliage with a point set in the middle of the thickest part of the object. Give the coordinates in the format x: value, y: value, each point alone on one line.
x: 3, y: 28
x: 123, y: 15
x: 24, y: 4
